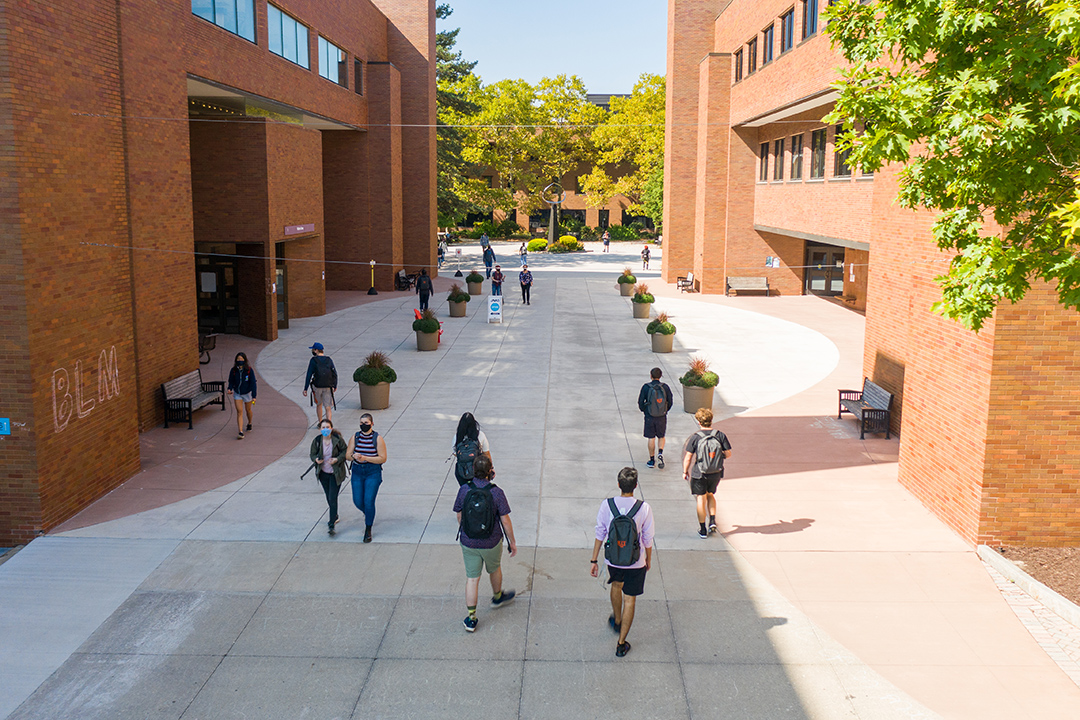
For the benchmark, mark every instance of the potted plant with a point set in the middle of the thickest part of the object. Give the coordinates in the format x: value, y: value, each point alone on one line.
x: 698, y: 385
x: 475, y: 282
x: 427, y: 330
x: 374, y: 378
x: 626, y: 282
x: 662, y: 332
x: 457, y: 299
x: 642, y: 301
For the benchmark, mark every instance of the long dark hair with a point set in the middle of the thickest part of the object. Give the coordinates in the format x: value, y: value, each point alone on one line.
x: 467, y: 427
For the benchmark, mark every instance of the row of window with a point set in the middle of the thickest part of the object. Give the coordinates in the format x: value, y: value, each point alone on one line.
x: 287, y: 37
x: 818, y: 139
x: 768, y: 40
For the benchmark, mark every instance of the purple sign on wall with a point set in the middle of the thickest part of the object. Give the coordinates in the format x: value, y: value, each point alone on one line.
x: 299, y: 229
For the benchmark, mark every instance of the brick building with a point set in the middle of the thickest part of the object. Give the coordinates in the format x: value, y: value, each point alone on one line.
x: 754, y: 187
x: 171, y: 165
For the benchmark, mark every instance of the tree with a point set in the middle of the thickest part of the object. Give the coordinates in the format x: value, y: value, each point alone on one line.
x: 631, y: 150
x: 453, y: 109
x: 978, y: 99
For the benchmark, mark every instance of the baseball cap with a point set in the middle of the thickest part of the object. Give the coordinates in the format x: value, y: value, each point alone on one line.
x: 316, y: 346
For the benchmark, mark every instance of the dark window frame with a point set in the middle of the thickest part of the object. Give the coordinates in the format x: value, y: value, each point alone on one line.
x: 342, y: 63
x: 307, y: 37
x: 809, y: 18
x: 787, y: 30
x: 841, y: 167
x: 768, y: 44
x: 738, y: 64
x: 796, y: 157
x: 251, y: 19
x: 358, y: 75
x: 763, y: 170
x: 818, y: 140
x: 751, y: 54
x: 778, y: 159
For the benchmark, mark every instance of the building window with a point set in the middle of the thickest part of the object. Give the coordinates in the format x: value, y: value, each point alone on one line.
x: 763, y: 171
x: 817, y: 154
x: 809, y: 18
x: 751, y: 56
x: 332, y: 62
x: 738, y: 65
x: 236, y: 16
x: 787, y: 31
x: 358, y: 75
x: 287, y: 37
x: 766, y: 46
x: 778, y: 160
x: 796, y: 157
x: 840, y: 165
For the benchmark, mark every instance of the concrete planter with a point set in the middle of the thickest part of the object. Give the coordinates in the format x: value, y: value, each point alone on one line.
x: 626, y: 289
x: 375, y: 397
x: 642, y: 310
x: 475, y: 288
x: 427, y: 341
x: 662, y: 343
x: 457, y: 309
x: 694, y: 398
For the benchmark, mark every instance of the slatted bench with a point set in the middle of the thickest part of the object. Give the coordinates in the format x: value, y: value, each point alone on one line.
x: 738, y: 284
x: 686, y: 284
x: 872, y: 406
x: 188, y: 393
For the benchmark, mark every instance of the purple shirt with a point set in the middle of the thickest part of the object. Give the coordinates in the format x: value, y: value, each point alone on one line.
x: 643, y: 519
x: 501, y: 508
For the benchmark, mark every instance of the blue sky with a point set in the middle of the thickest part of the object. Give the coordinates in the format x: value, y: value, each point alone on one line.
x: 607, y: 43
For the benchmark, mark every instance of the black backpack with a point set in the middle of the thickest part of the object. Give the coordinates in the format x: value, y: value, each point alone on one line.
x: 622, y: 548
x: 709, y: 454
x: 325, y: 374
x: 658, y: 402
x: 466, y: 452
x: 478, y: 516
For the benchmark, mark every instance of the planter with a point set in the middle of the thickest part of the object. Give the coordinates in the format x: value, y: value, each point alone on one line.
x: 375, y: 397
x: 476, y: 288
x: 427, y: 341
x: 457, y: 309
x: 694, y: 398
x: 642, y: 310
x: 662, y: 343
x: 626, y: 289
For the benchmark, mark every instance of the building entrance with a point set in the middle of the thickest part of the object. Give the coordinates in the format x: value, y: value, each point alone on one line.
x: 824, y: 270
x: 281, y: 280
x: 217, y: 293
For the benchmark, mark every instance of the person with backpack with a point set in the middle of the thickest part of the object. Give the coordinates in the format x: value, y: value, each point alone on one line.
x: 244, y: 388
x: 489, y: 259
x: 645, y: 254
x: 655, y: 401
x: 470, y: 442
x: 368, y: 454
x: 321, y: 377
x: 497, y: 278
x: 523, y: 253
x: 423, y: 288
x: 483, y: 520
x: 624, y: 526
x: 703, y: 466
x: 329, y: 452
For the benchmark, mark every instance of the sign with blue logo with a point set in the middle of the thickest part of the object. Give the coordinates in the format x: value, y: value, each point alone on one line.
x: 495, y: 308
x: 5, y: 426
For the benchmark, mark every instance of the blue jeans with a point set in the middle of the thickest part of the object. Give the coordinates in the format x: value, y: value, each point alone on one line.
x: 366, y: 479
x: 496, y: 288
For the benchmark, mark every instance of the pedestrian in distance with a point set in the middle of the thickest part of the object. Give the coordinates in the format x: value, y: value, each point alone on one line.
x: 329, y: 451
x: 243, y: 387
x: 470, y: 442
x: 497, y: 278
x: 526, y: 279
x: 607, y: 240
x: 483, y: 516
x: 523, y: 253
x: 489, y: 259
x: 321, y: 377
x: 655, y: 401
x: 442, y: 252
x: 703, y: 467
x: 424, y: 288
x: 645, y: 255
x: 624, y: 525
x: 484, y: 240
x: 368, y: 455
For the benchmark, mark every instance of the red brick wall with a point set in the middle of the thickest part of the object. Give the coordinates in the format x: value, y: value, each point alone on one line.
x: 346, y: 210
x: 384, y: 163
x: 711, y: 202
x: 229, y: 181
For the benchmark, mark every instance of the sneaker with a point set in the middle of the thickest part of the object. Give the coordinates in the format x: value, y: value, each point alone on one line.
x: 507, y: 596
x: 469, y: 623
x: 651, y: 463
x: 240, y: 435
x: 712, y: 528
x: 367, y: 534
x: 621, y: 649
x: 617, y: 627
x: 659, y: 460
x: 702, y: 533
x: 330, y: 530
x: 249, y: 427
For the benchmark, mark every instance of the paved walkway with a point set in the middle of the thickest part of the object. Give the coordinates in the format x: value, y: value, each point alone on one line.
x: 831, y: 594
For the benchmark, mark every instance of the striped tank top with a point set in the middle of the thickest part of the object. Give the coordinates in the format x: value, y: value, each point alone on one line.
x: 367, y: 444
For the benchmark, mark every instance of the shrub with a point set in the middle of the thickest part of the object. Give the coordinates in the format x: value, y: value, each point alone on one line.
x: 474, y: 277
x: 627, y: 277
x: 376, y: 369
x: 505, y: 229
x: 699, y: 375
x: 660, y: 325
x: 641, y: 294
x: 567, y: 243
x: 623, y: 233
x: 588, y: 233
x: 538, y: 245
x: 457, y: 294
x: 427, y: 322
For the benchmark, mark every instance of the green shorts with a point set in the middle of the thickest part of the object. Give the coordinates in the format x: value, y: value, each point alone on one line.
x: 477, y: 558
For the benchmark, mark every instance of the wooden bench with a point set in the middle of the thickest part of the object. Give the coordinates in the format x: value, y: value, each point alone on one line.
x: 735, y: 284
x: 686, y: 283
x: 872, y: 406
x: 188, y: 393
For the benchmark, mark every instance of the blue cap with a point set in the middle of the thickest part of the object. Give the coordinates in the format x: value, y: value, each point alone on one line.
x: 316, y: 346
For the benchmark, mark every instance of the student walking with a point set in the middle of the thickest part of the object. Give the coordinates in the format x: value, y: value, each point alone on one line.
x: 523, y: 253
x: 703, y: 466
x: 329, y: 452
x: 497, y: 278
x: 423, y: 288
x: 624, y: 525
x: 368, y: 454
x: 442, y: 252
x: 321, y: 377
x: 645, y: 255
x: 489, y: 259
x: 655, y: 401
x: 607, y: 240
x: 526, y: 279
x: 470, y: 442
x: 244, y: 389
x: 483, y: 516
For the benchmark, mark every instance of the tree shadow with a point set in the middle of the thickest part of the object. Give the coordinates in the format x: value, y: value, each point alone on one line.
x: 777, y: 528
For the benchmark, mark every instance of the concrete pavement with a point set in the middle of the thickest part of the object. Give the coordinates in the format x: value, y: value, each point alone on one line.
x: 832, y: 594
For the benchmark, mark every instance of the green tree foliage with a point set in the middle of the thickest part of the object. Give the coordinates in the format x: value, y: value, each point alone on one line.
x: 631, y: 150
x: 453, y: 108
x: 978, y: 99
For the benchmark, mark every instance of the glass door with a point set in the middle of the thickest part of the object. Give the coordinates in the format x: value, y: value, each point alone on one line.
x: 217, y: 296
x: 281, y: 278
x: 824, y: 270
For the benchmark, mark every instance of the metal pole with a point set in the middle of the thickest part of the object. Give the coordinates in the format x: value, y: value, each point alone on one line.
x: 372, y: 291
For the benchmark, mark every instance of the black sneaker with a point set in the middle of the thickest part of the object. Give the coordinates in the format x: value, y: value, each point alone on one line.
x: 659, y: 460
x: 367, y: 534
x: 651, y: 463
x: 712, y: 527
x: 702, y: 533
x: 621, y: 649
x: 507, y: 596
x: 617, y: 627
x: 249, y: 427
x: 469, y: 623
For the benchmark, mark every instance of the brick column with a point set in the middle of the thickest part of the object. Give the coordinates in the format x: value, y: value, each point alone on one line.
x: 384, y: 169
x: 711, y: 198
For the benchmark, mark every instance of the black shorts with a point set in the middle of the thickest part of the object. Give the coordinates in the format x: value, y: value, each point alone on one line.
x: 633, y: 579
x: 655, y: 427
x: 705, y: 484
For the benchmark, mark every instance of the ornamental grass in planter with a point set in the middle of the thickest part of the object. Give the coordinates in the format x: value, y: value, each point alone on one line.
x: 427, y: 330
x: 698, y: 383
x: 457, y: 299
x: 374, y: 377
x: 662, y: 332
x: 626, y: 282
x: 475, y: 281
x: 642, y: 301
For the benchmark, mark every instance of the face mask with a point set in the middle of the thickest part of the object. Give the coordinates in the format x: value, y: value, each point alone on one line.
x: 314, y: 353
x: 326, y: 432
x: 365, y: 427
x: 240, y: 364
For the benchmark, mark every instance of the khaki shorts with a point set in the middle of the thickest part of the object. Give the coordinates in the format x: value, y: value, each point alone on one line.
x: 323, y: 396
x: 477, y: 558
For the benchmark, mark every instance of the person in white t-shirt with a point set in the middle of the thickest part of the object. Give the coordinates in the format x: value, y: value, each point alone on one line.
x: 469, y: 443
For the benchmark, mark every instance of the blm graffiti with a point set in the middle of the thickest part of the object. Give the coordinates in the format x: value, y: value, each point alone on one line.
x: 69, y: 390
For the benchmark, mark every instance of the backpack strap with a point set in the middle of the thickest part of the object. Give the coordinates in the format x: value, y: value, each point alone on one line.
x: 633, y: 510
x: 614, y: 508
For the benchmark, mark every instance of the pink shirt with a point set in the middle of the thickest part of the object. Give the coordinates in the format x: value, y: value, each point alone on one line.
x: 643, y: 519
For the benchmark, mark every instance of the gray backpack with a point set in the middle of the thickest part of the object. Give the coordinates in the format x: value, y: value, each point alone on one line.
x: 623, y: 547
x: 709, y: 456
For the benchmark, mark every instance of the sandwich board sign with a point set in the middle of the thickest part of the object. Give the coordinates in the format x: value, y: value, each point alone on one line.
x: 495, y: 308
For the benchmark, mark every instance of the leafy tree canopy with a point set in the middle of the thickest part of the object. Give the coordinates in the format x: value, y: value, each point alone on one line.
x: 452, y: 106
